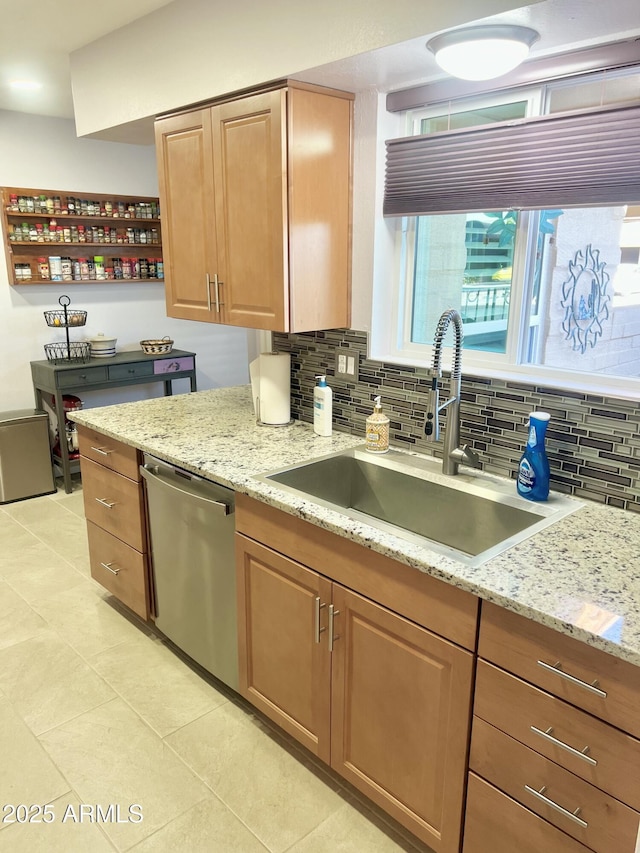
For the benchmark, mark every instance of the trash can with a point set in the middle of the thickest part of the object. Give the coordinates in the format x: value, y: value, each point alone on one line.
x: 25, y: 455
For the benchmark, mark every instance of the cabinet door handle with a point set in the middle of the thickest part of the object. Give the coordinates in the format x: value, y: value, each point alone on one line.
x: 101, y: 450
x: 578, y: 753
x: 332, y: 636
x: 216, y: 289
x: 540, y: 795
x: 317, y: 629
x: 107, y: 566
x: 208, y: 292
x: 106, y: 503
x: 557, y: 669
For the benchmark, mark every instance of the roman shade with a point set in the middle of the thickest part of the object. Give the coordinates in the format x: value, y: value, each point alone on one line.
x: 555, y: 161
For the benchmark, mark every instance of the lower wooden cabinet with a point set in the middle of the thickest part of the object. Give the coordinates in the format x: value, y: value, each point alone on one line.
x: 383, y: 700
x: 116, y: 521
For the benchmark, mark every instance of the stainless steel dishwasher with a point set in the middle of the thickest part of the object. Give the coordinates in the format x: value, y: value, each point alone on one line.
x: 192, y: 526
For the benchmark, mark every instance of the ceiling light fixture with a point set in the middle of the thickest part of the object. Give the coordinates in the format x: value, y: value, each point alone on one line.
x: 25, y: 85
x: 481, y: 53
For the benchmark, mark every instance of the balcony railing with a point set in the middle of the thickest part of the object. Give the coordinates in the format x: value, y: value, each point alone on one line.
x: 485, y: 301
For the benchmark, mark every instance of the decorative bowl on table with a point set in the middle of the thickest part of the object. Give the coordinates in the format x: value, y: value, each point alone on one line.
x: 158, y: 346
x: 102, y: 346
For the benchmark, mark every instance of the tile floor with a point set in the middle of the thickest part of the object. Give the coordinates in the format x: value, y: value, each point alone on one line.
x: 95, y: 709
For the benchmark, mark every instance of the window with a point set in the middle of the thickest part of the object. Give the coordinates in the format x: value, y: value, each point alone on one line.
x: 549, y: 294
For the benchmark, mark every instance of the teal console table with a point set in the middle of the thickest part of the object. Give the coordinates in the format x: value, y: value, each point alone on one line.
x: 124, y: 368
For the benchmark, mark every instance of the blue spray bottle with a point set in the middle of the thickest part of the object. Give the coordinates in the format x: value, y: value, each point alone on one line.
x: 533, y: 471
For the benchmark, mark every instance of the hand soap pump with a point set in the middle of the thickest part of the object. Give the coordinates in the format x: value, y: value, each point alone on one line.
x: 377, y: 434
x: 322, y: 407
x: 533, y: 471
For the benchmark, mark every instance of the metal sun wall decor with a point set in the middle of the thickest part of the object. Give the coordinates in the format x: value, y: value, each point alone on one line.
x: 585, y: 299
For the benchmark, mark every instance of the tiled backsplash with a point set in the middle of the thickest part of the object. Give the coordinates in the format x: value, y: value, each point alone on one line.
x: 593, y: 442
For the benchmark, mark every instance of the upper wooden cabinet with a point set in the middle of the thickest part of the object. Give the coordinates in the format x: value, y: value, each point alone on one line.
x: 256, y: 199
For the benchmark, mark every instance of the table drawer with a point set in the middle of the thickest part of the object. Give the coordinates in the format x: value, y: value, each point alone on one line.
x: 130, y: 371
x: 173, y: 365
x: 497, y: 824
x: 114, y: 503
x: 612, y: 762
x: 531, y: 651
x: 120, y: 569
x: 81, y: 376
x: 109, y: 452
x: 603, y: 823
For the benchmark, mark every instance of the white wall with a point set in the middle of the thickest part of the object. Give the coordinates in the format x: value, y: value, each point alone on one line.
x: 45, y: 152
x: 192, y: 50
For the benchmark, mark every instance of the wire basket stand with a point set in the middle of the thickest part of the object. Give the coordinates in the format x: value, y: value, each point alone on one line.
x: 63, y: 319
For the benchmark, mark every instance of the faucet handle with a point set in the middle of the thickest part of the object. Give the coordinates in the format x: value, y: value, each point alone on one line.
x: 466, y: 455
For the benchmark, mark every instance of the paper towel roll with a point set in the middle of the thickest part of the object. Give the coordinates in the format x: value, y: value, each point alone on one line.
x: 271, y: 387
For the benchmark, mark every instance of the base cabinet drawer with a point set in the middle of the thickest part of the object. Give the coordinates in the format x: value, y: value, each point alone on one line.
x: 605, y: 686
x: 114, y: 503
x: 581, y: 810
x: 119, y: 568
x: 108, y: 452
x: 497, y: 824
x: 600, y: 754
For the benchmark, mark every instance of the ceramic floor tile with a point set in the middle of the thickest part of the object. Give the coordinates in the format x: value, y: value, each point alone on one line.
x: 66, y: 534
x: 38, y: 572
x: 111, y: 757
x: 65, y: 833
x: 48, y: 683
x: 27, y: 773
x: 35, y: 511
x: 277, y: 796
x: 349, y: 830
x: 72, y: 503
x: 84, y: 618
x: 18, y: 620
x: 14, y: 538
x: 209, y: 827
x: 157, y: 684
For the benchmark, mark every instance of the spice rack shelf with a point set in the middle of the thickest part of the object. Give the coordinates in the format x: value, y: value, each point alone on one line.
x: 128, y: 248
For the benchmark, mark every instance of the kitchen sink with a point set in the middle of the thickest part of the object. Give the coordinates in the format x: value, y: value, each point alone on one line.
x: 469, y: 517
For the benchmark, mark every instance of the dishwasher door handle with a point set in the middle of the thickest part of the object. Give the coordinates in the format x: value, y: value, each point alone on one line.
x: 152, y: 474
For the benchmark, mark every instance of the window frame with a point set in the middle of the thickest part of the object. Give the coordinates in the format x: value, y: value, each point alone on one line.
x: 390, y: 340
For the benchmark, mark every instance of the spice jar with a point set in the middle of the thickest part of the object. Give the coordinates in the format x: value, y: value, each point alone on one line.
x: 43, y: 269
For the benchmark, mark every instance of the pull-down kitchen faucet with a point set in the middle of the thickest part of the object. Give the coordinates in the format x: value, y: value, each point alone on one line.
x: 453, y: 454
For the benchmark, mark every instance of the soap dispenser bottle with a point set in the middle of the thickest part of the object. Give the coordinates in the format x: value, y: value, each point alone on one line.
x: 377, y: 432
x: 533, y: 470
x: 322, y: 407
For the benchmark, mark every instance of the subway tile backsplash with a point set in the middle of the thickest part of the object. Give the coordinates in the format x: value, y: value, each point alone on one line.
x: 593, y: 442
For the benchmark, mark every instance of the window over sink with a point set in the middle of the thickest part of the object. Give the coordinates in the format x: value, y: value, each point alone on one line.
x: 548, y: 292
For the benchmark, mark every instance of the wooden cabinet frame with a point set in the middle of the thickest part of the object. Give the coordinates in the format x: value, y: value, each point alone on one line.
x: 383, y: 700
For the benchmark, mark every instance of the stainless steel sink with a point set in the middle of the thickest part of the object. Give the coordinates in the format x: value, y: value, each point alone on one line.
x: 469, y: 517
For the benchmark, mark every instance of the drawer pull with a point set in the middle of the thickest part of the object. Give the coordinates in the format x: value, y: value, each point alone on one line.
x: 106, y: 503
x: 317, y: 629
x: 571, y: 815
x: 101, y: 451
x: 107, y: 566
x: 557, y: 669
x: 547, y: 735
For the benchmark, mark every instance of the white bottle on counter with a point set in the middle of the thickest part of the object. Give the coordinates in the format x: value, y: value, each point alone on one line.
x: 322, y: 407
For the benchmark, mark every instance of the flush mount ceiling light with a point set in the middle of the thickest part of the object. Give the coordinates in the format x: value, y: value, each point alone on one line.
x: 25, y: 85
x: 481, y: 53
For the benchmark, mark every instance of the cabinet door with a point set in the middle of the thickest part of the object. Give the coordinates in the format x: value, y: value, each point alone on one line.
x: 284, y: 668
x: 250, y: 196
x: 400, y: 717
x: 185, y: 175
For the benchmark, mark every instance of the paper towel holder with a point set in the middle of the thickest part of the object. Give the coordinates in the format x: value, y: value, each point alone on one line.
x: 262, y: 423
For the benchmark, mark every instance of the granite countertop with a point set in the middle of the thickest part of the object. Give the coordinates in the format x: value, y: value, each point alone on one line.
x: 580, y: 576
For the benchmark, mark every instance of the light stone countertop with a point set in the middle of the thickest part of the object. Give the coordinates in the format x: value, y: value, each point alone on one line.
x: 580, y: 576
